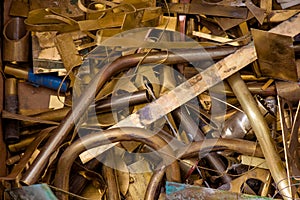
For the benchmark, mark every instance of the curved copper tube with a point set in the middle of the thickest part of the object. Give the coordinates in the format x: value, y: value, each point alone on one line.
x: 123, y: 63
x: 154, y: 183
x: 202, y: 147
x: 262, y: 132
x: 241, y: 146
x: 106, y: 137
x: 156, y: 142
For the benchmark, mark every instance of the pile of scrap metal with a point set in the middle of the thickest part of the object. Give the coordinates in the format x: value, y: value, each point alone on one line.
x: 152, y: 99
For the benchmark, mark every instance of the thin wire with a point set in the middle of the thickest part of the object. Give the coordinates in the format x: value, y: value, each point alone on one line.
x: 158, y: 39
x: 249, y: 167
x: 166, y: 118
x: 60, y: 86
x: 227, y: 104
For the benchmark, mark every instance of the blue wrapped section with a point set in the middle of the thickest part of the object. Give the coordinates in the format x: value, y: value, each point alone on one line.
x: 47, y: 81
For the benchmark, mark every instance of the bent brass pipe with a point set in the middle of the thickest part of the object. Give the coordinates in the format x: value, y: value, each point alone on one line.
x: 123, y: 63
x: 203, y: 147
x: 106, y: 137
x: 262, y: 132
x: 156, y: 178
x: 247, y: 148
x: 103, y: 105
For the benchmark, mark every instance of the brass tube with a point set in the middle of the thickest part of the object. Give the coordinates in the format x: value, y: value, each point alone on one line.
x: 113, y: 191
x: 118, y: 102
x: 262, y: 133
x: 123, y: 63
x: 106, y: 137
x: 190, y: 127
x: 16, y: 71
x: 254, y: 88
x: 247, y: 148
x: 155, y: 180
x: 200, y: 148
x: 53, y: 115
x: 20, y: 146
x: 79, y: 182
x: 11, y: 128
x: 16, y: 40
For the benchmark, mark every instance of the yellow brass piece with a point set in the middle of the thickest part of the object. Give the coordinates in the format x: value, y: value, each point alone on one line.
x: 11, y: 86
x: 140, y: 181
x: 22, y: 144
x: 259, y: 174
x: 254, y: 161
x: 262, y: 133
x: 16, y: 71
x: 16, y: 41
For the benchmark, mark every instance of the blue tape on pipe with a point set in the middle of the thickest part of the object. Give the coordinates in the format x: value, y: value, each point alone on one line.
x: 47, y: 81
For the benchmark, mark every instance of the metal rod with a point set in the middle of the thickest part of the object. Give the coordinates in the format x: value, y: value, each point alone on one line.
x: 112, y: 191
x: 156, y: 178
x: 11, y: 129
x: 123, y: 63
x: 118, y: 102
x: 262, y: 133
x: 106, y: 137
x: 248, y: 148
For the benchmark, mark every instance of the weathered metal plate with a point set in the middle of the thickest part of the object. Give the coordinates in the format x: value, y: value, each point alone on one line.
x: 276, y: 55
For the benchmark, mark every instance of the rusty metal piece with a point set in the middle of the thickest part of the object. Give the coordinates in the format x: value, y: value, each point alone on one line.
x: 16, y: 41
x: 121, y: 64
x: 110, y: 136
x: 262, y: 133
x: 11, y: 129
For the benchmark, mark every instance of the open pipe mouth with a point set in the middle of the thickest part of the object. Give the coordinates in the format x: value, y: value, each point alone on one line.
x: 15, y: 29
